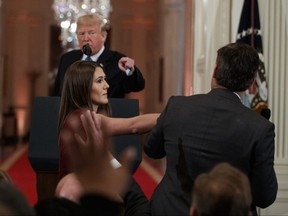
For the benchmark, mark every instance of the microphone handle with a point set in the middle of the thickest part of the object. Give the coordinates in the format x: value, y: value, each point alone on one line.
x: 266, y: 113
x: 128, y: 72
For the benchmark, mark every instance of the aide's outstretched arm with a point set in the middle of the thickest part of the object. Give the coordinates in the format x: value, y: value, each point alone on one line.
x: 138, y: 124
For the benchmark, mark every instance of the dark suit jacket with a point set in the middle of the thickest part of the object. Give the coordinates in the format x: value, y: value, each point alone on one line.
x: 135, y: 203
x: 120, y: 84
x: 195, y: 133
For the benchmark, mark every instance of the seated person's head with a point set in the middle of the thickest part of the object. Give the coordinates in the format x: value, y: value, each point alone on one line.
x: 224, y: 190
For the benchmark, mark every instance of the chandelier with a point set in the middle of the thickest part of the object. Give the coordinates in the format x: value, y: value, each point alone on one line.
x: 67, y: 12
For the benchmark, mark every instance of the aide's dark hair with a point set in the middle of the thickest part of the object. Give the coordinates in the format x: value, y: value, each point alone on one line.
x: 237, y: 65
x: 76, y: 91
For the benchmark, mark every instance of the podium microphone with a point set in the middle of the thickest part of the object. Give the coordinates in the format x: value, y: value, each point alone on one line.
x: 86, y: 49
x: 266, y: 113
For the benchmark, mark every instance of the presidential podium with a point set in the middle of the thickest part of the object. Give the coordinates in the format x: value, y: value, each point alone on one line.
x: 43, y: 152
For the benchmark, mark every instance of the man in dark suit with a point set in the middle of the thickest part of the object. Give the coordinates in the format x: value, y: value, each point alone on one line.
x: 197, y: 132
x: 122, y: 75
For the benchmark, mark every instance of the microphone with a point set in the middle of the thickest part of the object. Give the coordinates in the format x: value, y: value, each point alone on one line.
x: 86, y: 49
x: 128, y: 72
x: 266, y: 113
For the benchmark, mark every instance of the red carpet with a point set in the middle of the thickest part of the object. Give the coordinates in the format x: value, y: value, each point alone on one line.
x: 145, y: 181
x: 24, y: 177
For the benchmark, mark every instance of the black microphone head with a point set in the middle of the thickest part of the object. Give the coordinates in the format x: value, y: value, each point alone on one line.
x: 86, y: 49
x: 266, y: 113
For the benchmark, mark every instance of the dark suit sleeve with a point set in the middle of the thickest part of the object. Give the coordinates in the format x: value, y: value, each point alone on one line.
x: 57, y: 85
x: 135, y: 82
x: 135, y: 201
x: 264, y: 184
x: 94, y: 204
x: 59, y: 77
x: 154, y: 145
x: 65, y: 61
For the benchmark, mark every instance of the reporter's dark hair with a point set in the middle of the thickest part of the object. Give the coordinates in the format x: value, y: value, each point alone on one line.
x: 237, y: 65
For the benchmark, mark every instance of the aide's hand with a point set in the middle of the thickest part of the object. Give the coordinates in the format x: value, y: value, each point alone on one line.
x: 126, y: 63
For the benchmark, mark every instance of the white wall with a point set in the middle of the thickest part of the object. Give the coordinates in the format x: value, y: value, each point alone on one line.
x: 274, y: 23
x: 212, y: 29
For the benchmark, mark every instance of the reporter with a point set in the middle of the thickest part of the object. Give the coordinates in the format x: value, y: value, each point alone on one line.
x: 212, y: 128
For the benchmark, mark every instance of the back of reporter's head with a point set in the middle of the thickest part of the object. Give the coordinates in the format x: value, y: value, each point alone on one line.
x: 225, y: 190
x: 236, y: 66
